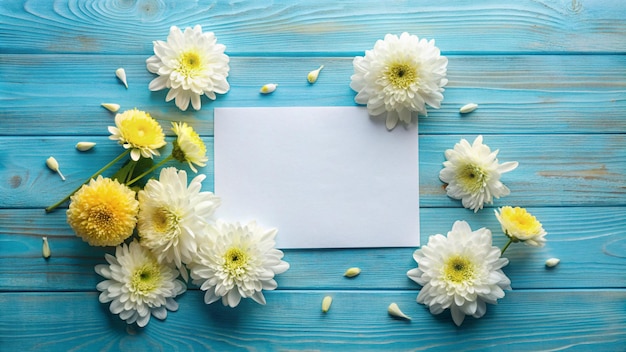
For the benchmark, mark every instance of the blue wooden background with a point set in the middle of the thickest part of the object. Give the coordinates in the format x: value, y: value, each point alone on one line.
x: 550, y: 79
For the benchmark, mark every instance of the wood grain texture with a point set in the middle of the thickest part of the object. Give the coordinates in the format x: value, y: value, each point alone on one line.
x: 516, y: 94
x: 582, y: 320
x: 266, y: 28
x: 555, y: 170
x: 548, y: 76
x: 590, y: 242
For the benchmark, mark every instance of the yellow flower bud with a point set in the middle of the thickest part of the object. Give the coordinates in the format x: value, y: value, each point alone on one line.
x: 326, y: 302
x: 312, y: 76
x: 352, y: 272
x: 268, y: 88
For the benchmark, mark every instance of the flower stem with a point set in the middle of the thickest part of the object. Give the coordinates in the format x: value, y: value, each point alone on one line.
x: 506, y: 246
x: 55, y: 205
x: 154, y: 167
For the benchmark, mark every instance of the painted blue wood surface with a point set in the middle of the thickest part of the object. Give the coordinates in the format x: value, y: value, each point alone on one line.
x: 550, y: 79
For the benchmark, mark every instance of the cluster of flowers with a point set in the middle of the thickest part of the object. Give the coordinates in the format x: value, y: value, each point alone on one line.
x: 463, y: 270
x: 173, y: 220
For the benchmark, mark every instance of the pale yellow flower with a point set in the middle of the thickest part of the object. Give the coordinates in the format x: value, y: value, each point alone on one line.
x: 188, y: 146
x: 137, y: 130
x: 103, y: 212
x: 519, y: 225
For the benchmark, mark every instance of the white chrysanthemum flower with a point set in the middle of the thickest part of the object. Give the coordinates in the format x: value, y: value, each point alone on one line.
x: 473, y: 174
x: 461, y: 271
x: 519, y: 225
x: 172, y: 215
x: 237, y: 261
x: 399, y: 76
x: 138, y: 285
x: 190, y: 64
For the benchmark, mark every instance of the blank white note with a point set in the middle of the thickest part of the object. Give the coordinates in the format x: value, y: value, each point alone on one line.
x: 325, y: 177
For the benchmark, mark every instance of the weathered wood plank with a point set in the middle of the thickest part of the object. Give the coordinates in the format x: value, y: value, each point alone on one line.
x: 252, y: 27
x: 555, y: 170
x: 292, y: 320
x: 45, y: 94
x: 591, y: 243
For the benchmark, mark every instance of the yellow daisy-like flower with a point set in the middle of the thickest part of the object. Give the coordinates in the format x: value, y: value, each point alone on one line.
x: 519, y: 225
x: 188, y: 146
x: 137, y: 130
x: 103, y: 212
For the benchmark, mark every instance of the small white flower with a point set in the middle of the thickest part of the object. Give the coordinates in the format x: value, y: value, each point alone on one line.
x: 237, y: 261
x: 473, y: 174
x: 190, y: 64
x: 138, y: 285
x: 172, y: 215
x: 399, y: 76
x: 461, y: 271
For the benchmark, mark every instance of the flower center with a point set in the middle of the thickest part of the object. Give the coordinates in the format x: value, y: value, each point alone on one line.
x: 145, y: 279
x: 458, y: 269
x: 100, y: 218
x: 472, y: 178
x: 141, y: 130
x: 166, y: 223
x: 401, y: 75
x: 189, y: 62
x: 235, y: 261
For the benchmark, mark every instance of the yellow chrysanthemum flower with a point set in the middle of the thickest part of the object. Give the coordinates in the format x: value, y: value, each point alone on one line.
x: 188, y: 146
x: 103, y: 212
x: 137, y: 130
x: 519, y: 225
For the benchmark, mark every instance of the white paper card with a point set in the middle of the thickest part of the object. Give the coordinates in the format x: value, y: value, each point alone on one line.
x: 325, y: 177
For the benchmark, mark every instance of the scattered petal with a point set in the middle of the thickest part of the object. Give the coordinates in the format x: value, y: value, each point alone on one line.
x: 111, y: 107
x: 84, y: 146
x: 53, y: 164
x: 268, y: 88
x: 121, y: 74
x: 466, y: 109
x: 352, y: 272
x: 326, y: 302
x: 552, y: 262
x: 312, y: 76
x: 395, y: 311
x: 45, y: 250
